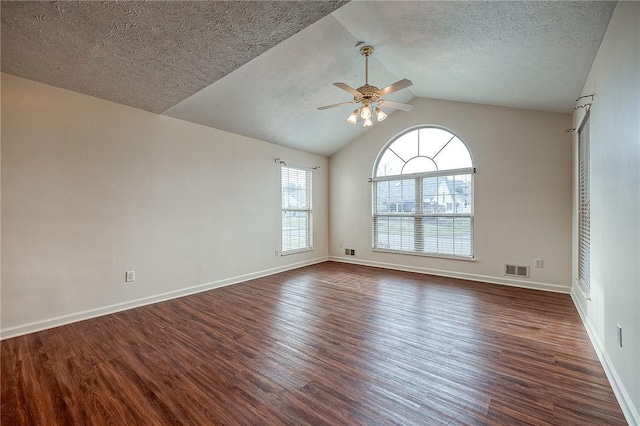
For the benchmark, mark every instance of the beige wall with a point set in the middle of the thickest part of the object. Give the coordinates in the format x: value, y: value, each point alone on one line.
x: 91, y: 189
x: 522, y: 192
x: 614, y: 80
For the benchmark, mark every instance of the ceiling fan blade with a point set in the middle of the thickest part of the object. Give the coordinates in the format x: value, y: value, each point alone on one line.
x: 398, y: 85
x: 347, y: 88
x: 336, y: 105
x: 395, y: 105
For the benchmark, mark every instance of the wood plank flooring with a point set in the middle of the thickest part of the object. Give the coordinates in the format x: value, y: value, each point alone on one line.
x: 329, y: 344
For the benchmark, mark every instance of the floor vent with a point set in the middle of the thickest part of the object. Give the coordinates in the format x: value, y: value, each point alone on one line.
x: 516, y: 271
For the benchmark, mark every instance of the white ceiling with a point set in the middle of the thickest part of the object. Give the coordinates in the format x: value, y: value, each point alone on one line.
x: 524, y: 54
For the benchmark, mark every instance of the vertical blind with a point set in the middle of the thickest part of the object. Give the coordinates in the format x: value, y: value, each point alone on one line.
x: 296, y: 209
x: 584, y: 203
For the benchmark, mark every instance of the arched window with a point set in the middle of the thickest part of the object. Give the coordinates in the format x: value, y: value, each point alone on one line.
x: 423, y: 195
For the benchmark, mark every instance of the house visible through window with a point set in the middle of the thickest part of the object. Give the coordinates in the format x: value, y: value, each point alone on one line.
x: 423, y: 195
x: 296, y: 209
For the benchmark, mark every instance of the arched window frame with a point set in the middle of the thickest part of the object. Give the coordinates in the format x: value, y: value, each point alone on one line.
x: 414, y: 226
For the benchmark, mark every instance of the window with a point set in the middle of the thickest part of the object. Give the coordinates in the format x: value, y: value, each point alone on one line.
x: 584, y: 207
x: 423, y: 195
x: 296, y: 209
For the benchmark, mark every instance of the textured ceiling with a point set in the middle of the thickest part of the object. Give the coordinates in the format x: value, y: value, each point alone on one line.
x: 261, y: 69
x: 149, y: 55
x: 525, y: 54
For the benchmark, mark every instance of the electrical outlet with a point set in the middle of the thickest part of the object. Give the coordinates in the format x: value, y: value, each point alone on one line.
x: 353, y: 252
x: 130, y: 276
x: 619, y: 334
x: 277, y: 253
x: 537, y: 262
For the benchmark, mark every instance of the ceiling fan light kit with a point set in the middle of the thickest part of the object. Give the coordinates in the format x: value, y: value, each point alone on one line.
x: 380, y: 115
x: 353, y: 118
x: 365, y: 112
x: 369, y: 96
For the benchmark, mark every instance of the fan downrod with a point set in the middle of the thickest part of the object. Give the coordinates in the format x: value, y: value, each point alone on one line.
x: 368, y: 92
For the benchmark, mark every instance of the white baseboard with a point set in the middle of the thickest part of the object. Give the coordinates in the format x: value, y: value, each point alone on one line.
x: 626, y: 405
x: 32, y: 327
x: 461, y: 275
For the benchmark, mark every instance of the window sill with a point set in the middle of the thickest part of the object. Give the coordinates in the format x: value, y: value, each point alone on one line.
x: 586, y: 291
x: 302, y: 250
x: 439, y: 256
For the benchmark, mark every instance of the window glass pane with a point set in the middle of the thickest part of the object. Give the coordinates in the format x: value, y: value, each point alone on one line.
x: 394, y: 233
x: 396, y: 196
x: 432, y: 140
x: 295, y: 230
x: 419, y: 165
x: 454, y: 156
x: 449, y: 194
x: 430, y: 234
x: 445, y: 235
x: 390, y: 164
x: 294, y: 198
x: 381, y: 231
x: 406, y: 146
x: 462, y: 194
x: 462, y: 241
x: 408, y: 196
x: 430, y: 198
x: 383, y: 200
x: 294, y: 188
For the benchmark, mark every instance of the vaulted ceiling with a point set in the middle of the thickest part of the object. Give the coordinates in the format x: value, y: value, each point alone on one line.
x: 261, y: 68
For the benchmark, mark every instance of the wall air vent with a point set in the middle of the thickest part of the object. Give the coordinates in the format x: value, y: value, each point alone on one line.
x: 516, y: 270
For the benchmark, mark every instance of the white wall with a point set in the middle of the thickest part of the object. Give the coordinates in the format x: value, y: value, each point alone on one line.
x: 522, y: 192
x: 91, y: 189
x: 614, y: 80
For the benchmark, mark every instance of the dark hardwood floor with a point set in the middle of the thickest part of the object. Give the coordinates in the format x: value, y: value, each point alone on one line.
x: 329, y: 344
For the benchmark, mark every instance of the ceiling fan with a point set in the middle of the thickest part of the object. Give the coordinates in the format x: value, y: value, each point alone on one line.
x: 370, y: 96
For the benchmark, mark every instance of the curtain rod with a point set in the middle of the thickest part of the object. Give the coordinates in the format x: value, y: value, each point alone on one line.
x: 284, y: 163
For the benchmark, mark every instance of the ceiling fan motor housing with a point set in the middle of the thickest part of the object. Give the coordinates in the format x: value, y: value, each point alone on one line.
x: 368, y: 94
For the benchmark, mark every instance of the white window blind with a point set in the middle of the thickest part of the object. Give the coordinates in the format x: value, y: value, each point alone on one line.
x: 296, y: 209
x: 423, y: 195
x: 584, y: 206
